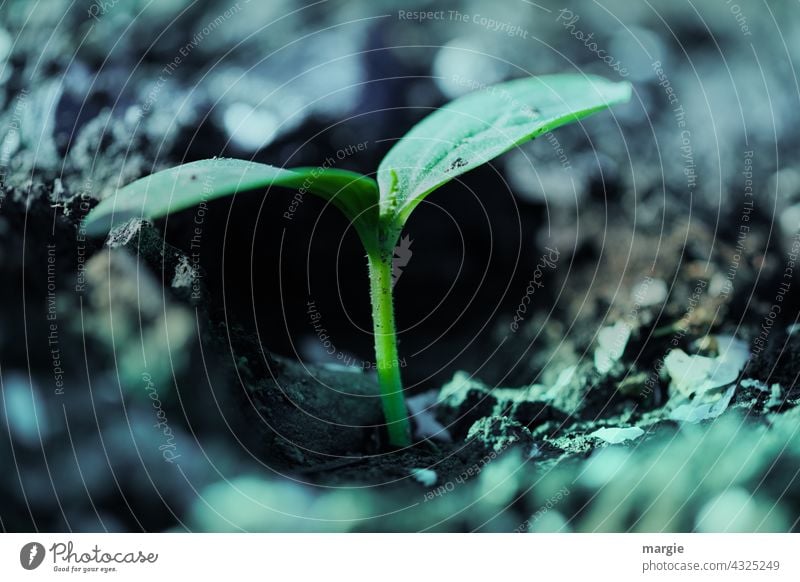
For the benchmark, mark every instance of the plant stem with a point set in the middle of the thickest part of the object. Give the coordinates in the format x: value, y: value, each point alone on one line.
x: 386, y: 358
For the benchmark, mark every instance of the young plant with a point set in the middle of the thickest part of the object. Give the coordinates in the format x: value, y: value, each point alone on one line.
x: 456, y: 138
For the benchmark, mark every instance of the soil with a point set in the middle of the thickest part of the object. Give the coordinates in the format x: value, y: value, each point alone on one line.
x: 154, y: 381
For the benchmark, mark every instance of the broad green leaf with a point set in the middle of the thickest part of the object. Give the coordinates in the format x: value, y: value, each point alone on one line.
x: 188, y: 185
x: 480, y: 126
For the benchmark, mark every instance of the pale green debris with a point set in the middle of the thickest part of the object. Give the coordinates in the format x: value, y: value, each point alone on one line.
x: 616, y: 436
x: 702, y: 376
x: 650, y: 292
x: 564, y: 378
x: 694, y: 412
x: 611, y: 342
x: 752, y: 383
x: 699, y: 374
x: 775, y: 396
x: 455, y: 391
x: 427, y: 477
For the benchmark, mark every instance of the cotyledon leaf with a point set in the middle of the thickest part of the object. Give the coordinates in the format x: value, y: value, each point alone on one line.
x: 190, y: 184
x: 480, y: 126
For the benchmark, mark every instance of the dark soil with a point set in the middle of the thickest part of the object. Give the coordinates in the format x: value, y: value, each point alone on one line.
x: 158, y: 381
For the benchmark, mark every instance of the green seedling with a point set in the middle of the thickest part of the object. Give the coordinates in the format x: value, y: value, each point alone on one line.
x: 454, y: 139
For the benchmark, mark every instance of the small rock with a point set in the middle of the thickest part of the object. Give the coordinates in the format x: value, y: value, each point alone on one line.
x: 611, y: 342
x: 616, y: 435
x: 185, y: 274
x: 650, y: 292
x: 123, y: 234
x: 499, y: 432
x: 427, y: 477
x: 695, y: 412
x: 698, y: 374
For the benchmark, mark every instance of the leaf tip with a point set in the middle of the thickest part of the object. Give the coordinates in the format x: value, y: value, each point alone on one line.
x: 617, y: 92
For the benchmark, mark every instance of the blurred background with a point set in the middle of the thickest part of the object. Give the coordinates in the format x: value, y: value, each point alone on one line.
x: 171, y: 377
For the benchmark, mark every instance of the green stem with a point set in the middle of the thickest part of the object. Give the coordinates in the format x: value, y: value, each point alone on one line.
x: 386, y: 358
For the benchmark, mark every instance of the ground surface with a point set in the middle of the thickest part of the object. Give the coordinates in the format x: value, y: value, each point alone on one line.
x: 174, y: 375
